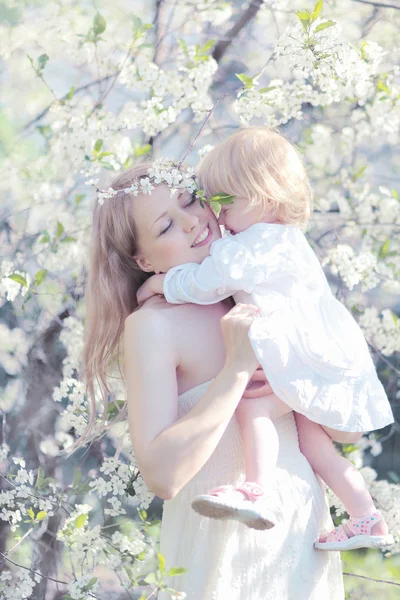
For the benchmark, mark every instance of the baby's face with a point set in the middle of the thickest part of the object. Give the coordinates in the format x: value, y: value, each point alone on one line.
x: 238, y: 216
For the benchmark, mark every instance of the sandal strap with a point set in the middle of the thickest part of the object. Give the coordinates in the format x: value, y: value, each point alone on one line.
x: 337, y: 535
x: 220, y: 490
x: 363, y: 525
x: 252, y: 490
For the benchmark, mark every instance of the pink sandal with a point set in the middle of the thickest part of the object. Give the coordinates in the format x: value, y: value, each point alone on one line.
x: 226, y: 503
x: 362, y: 538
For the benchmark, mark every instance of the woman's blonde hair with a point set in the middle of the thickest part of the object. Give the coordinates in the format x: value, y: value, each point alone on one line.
x: 110, y: 295
x: 260, y: 164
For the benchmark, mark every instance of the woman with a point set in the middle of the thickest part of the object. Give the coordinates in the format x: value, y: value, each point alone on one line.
x: 185, y: 381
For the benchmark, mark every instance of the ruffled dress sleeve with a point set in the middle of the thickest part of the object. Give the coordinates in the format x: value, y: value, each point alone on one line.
x: 232, y: 266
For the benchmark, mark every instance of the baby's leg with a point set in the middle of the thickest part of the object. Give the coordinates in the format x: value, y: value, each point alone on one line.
x: 260, y: 439
x: 343, y: 437
x: 338, y: 473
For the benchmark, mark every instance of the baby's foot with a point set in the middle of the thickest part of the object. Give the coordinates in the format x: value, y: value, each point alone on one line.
x: 245, y: 503
x: 369, y: 531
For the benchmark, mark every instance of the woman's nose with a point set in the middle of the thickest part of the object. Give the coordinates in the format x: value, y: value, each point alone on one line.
x: 190, y: 222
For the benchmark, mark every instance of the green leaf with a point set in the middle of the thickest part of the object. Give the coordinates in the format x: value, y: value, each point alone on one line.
x: 41, y: 515
x: 79, y: 198
x: 225, y: 199
x: 19, y: 279
x: 45, y: 239
x: 268, y: 89
x: 384, y: 249
x: 136, y: 23
x: 183, y: 46
x: 40, y: 477
x: 60, y: 229
x: 77, y: 477
x: 150, y: 578
x: 67, y: 239
x: 317, y: 11
x: 215, y: 206
x: 304, y: 17
x: 98, y: 146
x: 161, y: 562
x: 324, y: 25
x: 31, y: 513
x: 99, y: 24
x: 248, y: 81
x: 80, y: 521
x: 359, y: 173
x: 142, y: 150
x: 395, y: 319
x: 40, y: 277
x: 381, y: 85
x: 42, y: 60
x: 207, y: 46
x: 91, y: 582
x: 70, y: 93
x: 142, y: 514
x: 176, y: 571
x: 395, y: 194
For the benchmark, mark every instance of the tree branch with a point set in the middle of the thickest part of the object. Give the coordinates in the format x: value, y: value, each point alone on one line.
x: 79, y: 89
x: 246, y: 16
x: 371, y: 579
x: 378, y: 4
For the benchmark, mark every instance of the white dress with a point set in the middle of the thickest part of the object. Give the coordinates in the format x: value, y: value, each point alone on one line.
x: 225, y: 560
x: 311, y: 349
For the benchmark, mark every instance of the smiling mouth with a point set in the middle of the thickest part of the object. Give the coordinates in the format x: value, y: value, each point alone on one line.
x: 202, y: 236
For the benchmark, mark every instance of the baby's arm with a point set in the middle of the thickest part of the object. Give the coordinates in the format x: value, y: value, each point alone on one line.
x: 152, y: 286
x: 231, y: 267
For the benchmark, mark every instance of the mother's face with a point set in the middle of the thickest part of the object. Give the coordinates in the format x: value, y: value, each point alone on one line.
x: 172, y: 229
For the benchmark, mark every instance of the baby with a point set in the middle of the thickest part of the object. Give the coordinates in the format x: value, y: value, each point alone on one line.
x: 311, y: 349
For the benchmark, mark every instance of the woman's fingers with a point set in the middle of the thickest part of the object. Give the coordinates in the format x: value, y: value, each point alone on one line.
x: 235, y: 327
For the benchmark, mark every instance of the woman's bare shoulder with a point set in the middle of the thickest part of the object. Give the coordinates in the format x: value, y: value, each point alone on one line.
x: 151, y: 318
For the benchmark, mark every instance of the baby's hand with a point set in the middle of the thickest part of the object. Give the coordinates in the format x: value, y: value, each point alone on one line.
x: 152, y: 286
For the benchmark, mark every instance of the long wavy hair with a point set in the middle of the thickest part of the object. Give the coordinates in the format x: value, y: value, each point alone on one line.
x: 110, y: 295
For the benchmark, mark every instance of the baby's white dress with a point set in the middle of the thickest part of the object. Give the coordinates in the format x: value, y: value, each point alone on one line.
x: 311, y: 349
x: 225, y: 560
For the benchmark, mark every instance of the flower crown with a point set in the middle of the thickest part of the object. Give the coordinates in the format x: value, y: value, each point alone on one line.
x: 174, y: 176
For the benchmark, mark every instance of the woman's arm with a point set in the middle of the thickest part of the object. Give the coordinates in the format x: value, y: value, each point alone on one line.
x: 170, y: 451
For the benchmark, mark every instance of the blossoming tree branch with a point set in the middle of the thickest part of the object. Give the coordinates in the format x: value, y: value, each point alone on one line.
x: 88, y: 92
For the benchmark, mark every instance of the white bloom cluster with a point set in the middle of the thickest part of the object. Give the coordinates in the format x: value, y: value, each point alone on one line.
x: 84, y: 587
x: 9, y: 289
x: 172, y: 91
x: 276, y: 104
x: 119, y: 477
x: 18, y: 586
x: 383, y: 331
x: 14, y: 348
x: 12, y: 395
x: 162, y: 172
x: 353, y: 268
x: 132, y: 545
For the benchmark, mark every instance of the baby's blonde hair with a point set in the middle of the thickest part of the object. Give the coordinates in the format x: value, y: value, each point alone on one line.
x: 260, y: 164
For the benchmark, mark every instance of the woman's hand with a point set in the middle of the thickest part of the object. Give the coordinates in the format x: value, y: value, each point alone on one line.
x: 235, y: 327
x: 152, y: 286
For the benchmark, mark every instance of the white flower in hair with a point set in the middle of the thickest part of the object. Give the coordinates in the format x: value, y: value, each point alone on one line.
x: 166, y: 172
x: 146, y: 186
